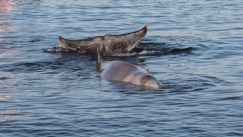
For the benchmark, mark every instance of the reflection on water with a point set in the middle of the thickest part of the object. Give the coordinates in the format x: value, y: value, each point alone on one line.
x: 6, y: 31
x: 6, y: 95
x: 7, y: 54
x: 6, y: 5
x: 8, y: 115
x: 6, y: 27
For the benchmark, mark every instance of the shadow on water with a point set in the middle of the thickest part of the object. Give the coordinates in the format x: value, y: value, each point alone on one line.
x: 70, y: 61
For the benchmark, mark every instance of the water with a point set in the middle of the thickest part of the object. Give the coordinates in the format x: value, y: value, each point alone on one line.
x: 193, y: 47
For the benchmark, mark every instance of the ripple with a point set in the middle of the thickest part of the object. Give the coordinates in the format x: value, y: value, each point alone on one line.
x: 143, y: 50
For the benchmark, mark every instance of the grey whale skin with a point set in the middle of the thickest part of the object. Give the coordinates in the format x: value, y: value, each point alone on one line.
x: 108, y: 44
x: 125, y: 72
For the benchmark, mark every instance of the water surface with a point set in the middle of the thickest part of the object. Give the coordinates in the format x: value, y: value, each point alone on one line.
x: 193, y: 47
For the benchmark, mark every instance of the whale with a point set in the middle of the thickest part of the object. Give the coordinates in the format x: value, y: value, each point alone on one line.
x: 121, y: 71
x: 108, y: 44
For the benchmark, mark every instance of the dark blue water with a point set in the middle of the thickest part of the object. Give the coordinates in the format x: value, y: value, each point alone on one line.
x: 195, y: 48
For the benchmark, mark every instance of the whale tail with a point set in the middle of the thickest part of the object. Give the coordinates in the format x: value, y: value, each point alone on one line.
x: 111, y: 44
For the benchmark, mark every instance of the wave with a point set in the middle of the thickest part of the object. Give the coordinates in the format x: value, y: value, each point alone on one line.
x: 144, y: 49
x: 55, y: 50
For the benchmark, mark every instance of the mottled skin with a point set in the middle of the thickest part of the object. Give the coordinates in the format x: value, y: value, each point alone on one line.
x: 108, y: 44
x: 125, y: 72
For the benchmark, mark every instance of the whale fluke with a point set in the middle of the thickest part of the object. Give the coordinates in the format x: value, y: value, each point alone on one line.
x: 108, y: 44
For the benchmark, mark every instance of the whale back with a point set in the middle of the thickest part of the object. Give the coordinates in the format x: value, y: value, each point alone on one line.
x: 120, y: 71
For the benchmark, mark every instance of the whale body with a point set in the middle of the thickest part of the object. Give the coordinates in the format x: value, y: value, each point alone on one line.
x: 125, y: 72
